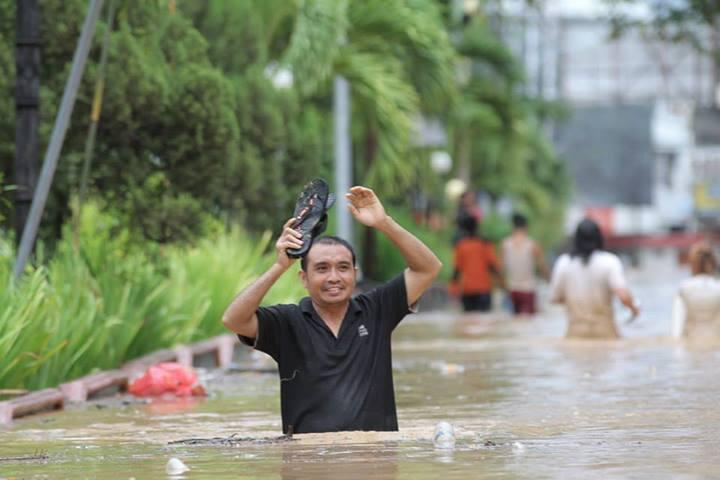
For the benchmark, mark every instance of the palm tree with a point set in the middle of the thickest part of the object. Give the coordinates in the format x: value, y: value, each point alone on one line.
x: 498, y: 134
x: 398, y: 60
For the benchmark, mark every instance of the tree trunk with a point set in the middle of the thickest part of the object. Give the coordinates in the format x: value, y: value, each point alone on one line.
x: 27, y: 92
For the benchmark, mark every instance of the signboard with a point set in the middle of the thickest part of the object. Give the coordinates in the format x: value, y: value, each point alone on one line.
x: 706, y: 180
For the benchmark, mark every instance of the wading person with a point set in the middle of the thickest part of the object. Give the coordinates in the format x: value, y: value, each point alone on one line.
x: 586, y: 280
x: 332, y: 349
x: 522, y: 259
x: 696, y: 312
x: 475, y: 266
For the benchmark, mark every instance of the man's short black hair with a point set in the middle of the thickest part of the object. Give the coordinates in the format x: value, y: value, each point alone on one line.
x: 328, y: 240
x: 519, y: 220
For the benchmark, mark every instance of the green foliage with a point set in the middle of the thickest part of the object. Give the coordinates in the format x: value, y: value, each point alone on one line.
x: 389, y: 260
x: 319, y: 33
x: 195, y: 144
x: 111, y: 299
x: 498, y: 136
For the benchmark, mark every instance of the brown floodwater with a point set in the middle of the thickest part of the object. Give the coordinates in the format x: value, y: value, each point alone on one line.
x: 525, y: 403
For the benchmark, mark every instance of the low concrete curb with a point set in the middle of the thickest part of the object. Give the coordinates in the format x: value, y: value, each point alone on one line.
x: 40, y: 401
x: 219, y: 349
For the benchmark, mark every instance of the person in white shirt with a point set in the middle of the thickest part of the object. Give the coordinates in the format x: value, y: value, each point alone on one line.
x: 696, y: 312
x: 522, y: 260
x: 586, y: 281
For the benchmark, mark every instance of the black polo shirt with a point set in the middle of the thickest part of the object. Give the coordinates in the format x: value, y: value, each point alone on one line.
x: 335, y: 384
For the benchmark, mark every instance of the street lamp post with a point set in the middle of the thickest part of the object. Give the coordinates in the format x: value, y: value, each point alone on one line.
x: 343, y: 158
x: 57, y: 138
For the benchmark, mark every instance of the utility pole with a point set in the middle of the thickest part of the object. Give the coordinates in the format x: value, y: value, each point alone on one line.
x: 62, y: 121
x: 343, y: 155
x: 27, y: 118
x: 716, y: 62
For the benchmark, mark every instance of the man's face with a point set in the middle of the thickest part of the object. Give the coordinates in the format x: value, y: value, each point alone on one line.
x: 330, y: 275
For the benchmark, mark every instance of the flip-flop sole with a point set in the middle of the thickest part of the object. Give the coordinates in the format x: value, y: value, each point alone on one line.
x: 310, y: 215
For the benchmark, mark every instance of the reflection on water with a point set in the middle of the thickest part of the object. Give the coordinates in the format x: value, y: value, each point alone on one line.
x: 524, y: 403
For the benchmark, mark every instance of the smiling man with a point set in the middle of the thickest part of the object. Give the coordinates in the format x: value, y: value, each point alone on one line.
x: 333, y: 349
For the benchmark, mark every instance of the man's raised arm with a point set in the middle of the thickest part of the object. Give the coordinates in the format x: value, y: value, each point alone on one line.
x: 240, y: 316
x: 423, y: 264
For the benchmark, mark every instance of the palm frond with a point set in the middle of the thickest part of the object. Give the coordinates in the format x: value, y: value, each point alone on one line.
x: 383, y: 96
x: 413, y: 30
x: 320, y: 29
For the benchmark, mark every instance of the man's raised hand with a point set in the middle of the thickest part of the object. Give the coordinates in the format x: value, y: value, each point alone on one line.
x: 289, y: 239
x: 365, y: 206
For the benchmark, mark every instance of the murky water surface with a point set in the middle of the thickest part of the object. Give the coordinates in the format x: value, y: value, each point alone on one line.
x: 525, y: 404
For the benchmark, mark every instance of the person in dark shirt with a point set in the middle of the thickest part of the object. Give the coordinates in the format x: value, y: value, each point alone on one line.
x: 332, y: 349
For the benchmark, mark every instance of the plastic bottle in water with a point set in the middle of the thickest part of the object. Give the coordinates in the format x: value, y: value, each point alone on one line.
x: 444, y: 435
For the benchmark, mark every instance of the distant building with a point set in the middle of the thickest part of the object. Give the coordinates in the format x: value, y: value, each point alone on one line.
x: 572, y: 57
x: 642, y: 141
x: 705, y: 166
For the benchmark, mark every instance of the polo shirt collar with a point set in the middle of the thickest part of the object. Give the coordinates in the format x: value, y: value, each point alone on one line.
x: 306, y: 306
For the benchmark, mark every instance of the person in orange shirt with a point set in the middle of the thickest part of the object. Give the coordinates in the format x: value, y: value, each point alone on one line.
x: 475, y: 265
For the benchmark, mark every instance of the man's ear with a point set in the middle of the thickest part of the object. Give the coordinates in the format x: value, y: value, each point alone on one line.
x: 303, y: 277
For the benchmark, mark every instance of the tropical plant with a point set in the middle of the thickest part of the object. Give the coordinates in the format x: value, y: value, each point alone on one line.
x: 499, y: 137
x: 105, y: 299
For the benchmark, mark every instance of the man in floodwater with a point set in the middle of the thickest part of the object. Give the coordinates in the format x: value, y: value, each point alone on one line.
x: 332, y: 349
x: 586, y: 281
x: 522, y: 257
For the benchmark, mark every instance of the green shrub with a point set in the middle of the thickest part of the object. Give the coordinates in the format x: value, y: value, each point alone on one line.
x: 102, y: 299
x: 391, y: 262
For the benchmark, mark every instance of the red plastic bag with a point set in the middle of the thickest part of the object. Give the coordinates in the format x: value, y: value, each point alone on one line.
x: 167, y: 378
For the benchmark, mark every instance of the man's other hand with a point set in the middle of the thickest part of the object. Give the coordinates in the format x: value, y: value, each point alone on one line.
x: 365, y: 206
x: 289, y: 239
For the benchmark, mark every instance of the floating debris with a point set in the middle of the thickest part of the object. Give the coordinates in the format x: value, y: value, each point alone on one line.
x: 25, y: 458
x: 446, y: 368
x: 444, y: 436
x: 518, y: 447
x: 232, y: 440
x: 175, y: 466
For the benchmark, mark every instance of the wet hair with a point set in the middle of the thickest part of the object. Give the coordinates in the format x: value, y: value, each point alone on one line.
x: 519, y: 220
x: 467, y: 224
x: 588, y: 238
x: 702, y: 259
x: 328, y: 240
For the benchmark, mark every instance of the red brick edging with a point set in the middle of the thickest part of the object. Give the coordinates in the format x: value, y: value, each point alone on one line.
x: 82, y: 389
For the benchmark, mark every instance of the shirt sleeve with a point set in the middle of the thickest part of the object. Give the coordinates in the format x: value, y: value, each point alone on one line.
x: 457, y: 260
x: 557, y: 280
x: 492, y: 257
x: 272, y: 328
x: 391, y: 301
x: 678, y: 317
x: 616, y: 276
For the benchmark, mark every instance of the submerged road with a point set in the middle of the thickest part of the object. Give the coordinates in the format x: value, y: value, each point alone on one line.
x: 525, y: 403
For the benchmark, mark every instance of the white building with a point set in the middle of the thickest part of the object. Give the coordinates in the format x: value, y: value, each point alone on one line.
x: 630, y: 143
